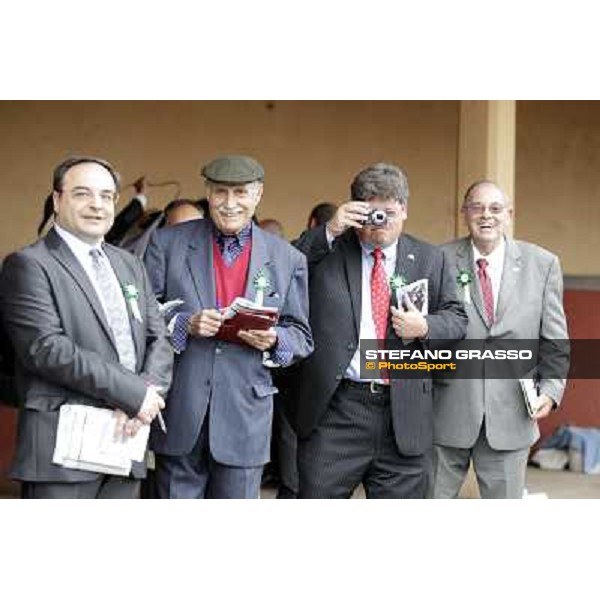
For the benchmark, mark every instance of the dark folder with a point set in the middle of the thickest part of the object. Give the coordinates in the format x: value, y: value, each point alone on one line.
x: 243, y: 315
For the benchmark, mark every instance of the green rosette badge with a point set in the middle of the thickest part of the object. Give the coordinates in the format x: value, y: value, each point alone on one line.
x: 464, y: 280
x: 260, y: 283
x: 397, y: 283
x: 131, y: 296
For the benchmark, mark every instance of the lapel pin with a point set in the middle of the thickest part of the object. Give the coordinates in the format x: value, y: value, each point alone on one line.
x: 260, y: 283
x: 131, y: 295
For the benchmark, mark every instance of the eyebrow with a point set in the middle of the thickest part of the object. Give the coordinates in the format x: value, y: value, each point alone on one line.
x: 87, y: 188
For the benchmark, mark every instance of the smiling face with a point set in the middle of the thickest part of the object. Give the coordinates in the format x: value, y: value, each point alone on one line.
x: 487, y: 216
x: 232, y: 206
x: 390, y: 232
x: 85, y: 205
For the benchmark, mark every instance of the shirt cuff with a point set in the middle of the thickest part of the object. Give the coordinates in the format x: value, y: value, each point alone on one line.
x: 142, y: 200
x: 281, y: 355
x: 178, y: 328
x: 330, y: 239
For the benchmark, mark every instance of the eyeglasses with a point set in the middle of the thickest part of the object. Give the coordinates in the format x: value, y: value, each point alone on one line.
x: 476, y: 209
x: 85, y: 194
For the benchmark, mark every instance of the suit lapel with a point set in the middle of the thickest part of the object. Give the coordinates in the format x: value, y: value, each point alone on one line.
x: 200, y: 263
x: 259, y: 259
x: 126, y: 276
x: 465, y: 262
x: 61, y: 252
x: 406, y: 266
x: 353, y: 271
x: 511, y: 272
x: 406, y: 260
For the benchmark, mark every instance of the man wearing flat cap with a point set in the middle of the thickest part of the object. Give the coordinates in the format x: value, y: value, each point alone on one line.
x: 220, y: 407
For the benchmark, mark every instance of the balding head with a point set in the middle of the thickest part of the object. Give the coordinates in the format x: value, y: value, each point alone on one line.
x: 487, y: 211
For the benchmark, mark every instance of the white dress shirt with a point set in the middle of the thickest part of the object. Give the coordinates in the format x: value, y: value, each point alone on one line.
x: 81, y: 250
x: 367, y: 325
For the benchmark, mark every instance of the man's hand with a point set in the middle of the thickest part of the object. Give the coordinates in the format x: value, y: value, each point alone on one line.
x: 409, y: 323
x: 545, y: 408
x: 126, y: 426
x: 153, y: 402
x: 205, y: 323
x: 349, y: 214
x: 259, y: 339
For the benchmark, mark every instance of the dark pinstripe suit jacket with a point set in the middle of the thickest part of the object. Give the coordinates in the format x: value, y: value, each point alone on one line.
x: 335, y: 306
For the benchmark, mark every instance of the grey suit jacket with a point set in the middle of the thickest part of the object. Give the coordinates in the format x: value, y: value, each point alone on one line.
x: 226, y: 380
x: 65, y: 350
x: 335, y: 301
x: 530, y: 306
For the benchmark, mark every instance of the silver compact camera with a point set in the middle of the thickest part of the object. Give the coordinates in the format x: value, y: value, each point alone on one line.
x: 377, y: 218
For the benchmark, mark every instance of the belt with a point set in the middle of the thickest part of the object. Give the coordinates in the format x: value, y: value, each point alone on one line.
x: 371, y: 386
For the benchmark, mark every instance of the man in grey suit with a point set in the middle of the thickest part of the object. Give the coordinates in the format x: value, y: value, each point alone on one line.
x: 512, y: 290
x: 353, y: 430
x: 86, y: 330
x: 220, y: 408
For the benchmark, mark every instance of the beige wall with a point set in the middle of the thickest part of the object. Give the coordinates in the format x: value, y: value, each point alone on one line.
x: 310, y: 151
x: 558, y: 181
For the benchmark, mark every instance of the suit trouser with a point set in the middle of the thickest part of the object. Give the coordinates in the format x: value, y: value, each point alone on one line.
x: 355, y: 443
x: 106, y: 487
x: 500, y: 473
x: 198, y: 475
x: 285, y: 445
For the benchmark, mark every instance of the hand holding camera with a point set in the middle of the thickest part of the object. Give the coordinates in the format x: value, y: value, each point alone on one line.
x: 357, y: 215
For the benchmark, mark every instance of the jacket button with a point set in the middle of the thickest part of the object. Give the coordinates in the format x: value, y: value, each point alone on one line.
x: 218, y: 351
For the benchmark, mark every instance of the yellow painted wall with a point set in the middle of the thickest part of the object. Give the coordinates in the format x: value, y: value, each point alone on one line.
x: 558, y: 181
x: 310, y: 150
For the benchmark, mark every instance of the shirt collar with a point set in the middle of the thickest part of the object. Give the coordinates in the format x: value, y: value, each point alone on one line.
x: 77, y: 245
x: 389, y: 252
x: 242, y: 237
x: 495, y: 258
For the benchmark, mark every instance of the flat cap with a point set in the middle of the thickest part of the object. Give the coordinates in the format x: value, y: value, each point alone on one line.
x: 233, y: 169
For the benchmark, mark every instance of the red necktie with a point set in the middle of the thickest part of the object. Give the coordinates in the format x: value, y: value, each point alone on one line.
x: 486, y: 288
x: 380, y: 295
x: 380, y: 302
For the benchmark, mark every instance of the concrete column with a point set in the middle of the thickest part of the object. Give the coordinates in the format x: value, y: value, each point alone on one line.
x: 486, y: 150
x: 486, y: 147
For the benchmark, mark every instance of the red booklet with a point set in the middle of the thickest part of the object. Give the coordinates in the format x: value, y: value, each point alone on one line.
x: 245, y: 314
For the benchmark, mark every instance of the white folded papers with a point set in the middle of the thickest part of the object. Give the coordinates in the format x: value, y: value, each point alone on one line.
x: 86, y: 440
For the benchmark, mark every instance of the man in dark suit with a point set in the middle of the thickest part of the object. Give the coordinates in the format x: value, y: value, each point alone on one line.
x: 353, y: 431
x: 86, y: 330
x: 220, y: 408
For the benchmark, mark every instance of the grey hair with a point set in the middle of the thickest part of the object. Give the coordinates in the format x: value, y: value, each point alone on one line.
x: 382, y: 180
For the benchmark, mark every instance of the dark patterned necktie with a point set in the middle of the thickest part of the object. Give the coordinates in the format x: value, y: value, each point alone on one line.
x: 116, y: 310
x: 230, y: 247
x: 486, y: 288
